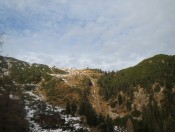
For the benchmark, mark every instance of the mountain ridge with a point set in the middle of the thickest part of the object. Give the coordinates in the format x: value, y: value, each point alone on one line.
x: 123, y: 95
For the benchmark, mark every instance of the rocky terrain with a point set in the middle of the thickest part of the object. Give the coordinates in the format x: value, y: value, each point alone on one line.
x: 42, y: 98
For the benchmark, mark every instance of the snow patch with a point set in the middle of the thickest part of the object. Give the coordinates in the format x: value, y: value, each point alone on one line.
x: 11, y: 96
x: 33, y: 109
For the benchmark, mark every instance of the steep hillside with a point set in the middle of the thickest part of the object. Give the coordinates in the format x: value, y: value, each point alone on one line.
x: 25, y: 108
x: 144, y: 93
x: 42, y: 98
x: 48, y: 91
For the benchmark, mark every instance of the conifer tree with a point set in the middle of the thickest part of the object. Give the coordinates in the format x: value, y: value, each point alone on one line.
x: 68, y: 108
x: 109, y: 125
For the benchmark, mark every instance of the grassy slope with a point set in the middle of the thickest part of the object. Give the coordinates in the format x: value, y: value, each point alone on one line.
x: 23, y: 72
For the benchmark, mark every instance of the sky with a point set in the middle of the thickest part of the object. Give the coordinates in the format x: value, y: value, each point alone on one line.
x: 105, y: 34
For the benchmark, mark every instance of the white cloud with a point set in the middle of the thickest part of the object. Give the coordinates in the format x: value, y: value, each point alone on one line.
x: 95, y: 33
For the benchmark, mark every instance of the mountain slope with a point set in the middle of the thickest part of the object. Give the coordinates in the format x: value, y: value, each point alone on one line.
x: 135, y: 92
x: 22, y: 82
x: 140, y: 97
x: 40, y: 84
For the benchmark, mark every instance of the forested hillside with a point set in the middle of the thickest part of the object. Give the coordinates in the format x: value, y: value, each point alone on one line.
x: 36, y: 97
x: 145, y: 93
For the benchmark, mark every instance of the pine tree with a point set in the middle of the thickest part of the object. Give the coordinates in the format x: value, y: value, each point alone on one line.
x: 82, y: 108
x: 129, y: 126
x: 73, y: 108
x: 109, y: 125
x: 68, y: 108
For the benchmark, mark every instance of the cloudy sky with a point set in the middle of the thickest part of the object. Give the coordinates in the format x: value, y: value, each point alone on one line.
x: 106, y: 34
